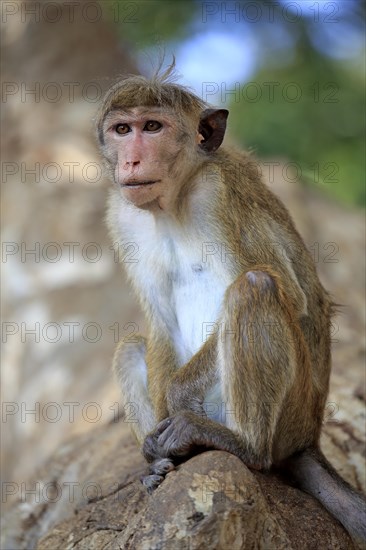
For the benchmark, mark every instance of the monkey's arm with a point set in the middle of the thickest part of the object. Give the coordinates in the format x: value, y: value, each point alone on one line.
x: 186, y: 433
x: 259, y: 379
x: 144, y: 389
x: 185, y: 392
x: 188, y: 386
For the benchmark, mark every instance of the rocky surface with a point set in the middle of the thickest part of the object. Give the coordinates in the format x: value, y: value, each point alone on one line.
x: 91, y: 498
x: 56, y: 380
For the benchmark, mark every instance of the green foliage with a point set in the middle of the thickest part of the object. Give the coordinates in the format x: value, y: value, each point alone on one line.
x: 146, y: 23
x: 315, y: 117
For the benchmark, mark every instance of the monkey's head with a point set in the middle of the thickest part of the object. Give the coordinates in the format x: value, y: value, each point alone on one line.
x: 154, y: 135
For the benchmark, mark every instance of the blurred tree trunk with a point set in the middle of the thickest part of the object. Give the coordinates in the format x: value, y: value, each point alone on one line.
x: 57, y: 61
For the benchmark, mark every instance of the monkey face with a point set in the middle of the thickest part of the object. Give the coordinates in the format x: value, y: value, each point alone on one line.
x: 153, y: 151
x: 148, y: 154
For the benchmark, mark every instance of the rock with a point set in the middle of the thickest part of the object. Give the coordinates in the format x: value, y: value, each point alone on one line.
x: 90, y: 497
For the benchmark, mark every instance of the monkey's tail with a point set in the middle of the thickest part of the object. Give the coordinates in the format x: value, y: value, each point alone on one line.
x: 315, y: 475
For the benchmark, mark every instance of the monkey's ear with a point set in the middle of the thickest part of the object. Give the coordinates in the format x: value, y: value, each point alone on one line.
x: 212, y: 127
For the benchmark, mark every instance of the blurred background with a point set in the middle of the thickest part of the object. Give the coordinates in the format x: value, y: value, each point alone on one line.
x: 292, y: 76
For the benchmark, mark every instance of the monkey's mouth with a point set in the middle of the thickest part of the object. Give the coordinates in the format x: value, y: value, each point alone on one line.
x: 139, y: 183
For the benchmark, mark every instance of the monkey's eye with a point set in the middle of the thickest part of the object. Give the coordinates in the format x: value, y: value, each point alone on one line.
x: 122, y: 129
x: 152, y: 126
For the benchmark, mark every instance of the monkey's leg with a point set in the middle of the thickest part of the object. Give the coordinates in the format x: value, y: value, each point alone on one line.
x: 257, y: 359
x: 130, y: 367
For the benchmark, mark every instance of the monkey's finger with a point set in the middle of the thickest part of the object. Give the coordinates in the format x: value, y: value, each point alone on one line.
x: 161, y: 467
x: 151, y: 482
x: 151, y: 449
x: 166, y: 435
x: 175, y: 446
x: 162, y: 426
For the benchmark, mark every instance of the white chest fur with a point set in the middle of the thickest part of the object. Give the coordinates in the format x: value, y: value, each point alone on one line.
x: 180, y: 278
x: 197, y: 295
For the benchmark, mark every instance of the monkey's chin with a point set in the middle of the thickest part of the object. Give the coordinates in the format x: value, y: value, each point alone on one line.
x: 143, y: 196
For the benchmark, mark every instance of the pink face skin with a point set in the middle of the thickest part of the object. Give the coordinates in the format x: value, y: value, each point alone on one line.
x: 142, y: 144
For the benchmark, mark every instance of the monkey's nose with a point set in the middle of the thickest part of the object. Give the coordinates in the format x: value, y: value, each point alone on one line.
x: 132, y: 166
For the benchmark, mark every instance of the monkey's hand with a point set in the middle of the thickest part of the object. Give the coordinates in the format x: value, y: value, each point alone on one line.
x: 181, y: 434
x: 174, y: 437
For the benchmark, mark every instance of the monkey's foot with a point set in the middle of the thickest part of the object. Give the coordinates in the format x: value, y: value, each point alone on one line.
x: 151, y: 482
x: 157, y: 472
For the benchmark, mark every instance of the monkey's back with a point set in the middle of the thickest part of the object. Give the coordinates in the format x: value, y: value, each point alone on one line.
x: 259, y: 221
